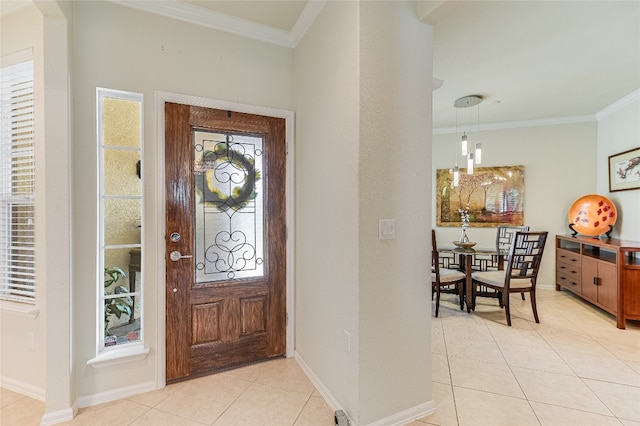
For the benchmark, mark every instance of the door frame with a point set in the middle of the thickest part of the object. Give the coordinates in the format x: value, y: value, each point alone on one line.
x: 159, y: 246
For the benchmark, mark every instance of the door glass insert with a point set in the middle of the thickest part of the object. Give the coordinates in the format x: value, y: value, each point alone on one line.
x: 229, y: 202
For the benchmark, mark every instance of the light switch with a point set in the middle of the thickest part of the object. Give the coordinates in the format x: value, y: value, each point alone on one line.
x: 387, y: 229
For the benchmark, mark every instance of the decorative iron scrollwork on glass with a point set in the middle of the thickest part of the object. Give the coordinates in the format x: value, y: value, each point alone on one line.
x: 229, y: 206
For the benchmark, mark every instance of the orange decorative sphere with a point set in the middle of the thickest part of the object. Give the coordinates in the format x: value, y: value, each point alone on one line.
x: 592, y: 214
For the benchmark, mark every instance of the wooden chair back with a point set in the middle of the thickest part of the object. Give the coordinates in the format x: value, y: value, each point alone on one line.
x: 525, y: 256
x: 504, y: 237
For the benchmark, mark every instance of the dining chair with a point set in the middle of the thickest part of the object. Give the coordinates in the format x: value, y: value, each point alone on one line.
x: 442, y: 278
x: 504, y: 237
x: 521, y: 272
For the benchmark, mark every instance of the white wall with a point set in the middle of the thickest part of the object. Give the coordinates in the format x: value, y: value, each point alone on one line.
x: 125, y: 49
x: 327, y: 165
x: 44, y: 370
x: 395, y: 183
x: 363, y: 102
x: 23, y: 368
x: 55, y: 185
x: 619, y: 131
x: 560, y: 163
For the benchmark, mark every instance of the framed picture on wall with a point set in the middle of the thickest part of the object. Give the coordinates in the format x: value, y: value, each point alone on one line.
x: 493, y: 196
x: 624, y: 170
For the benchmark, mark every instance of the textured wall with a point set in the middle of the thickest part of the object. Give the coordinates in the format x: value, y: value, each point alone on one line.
x: 394, y: 183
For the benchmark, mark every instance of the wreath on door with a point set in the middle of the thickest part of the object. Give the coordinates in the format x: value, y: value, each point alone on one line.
x: 217, y: 178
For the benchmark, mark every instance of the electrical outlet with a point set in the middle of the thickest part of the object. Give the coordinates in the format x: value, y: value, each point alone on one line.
x: 347, y: 342
x: 31, y: 340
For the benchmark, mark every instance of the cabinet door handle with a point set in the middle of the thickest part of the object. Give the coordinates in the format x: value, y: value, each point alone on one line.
x: 595, y: 280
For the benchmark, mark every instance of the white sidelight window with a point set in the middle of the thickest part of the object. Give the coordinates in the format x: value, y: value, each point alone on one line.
x: 120, y: 288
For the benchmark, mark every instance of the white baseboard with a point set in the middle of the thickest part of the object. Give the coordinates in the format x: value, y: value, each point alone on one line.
x: 322, y: 389
x: 59, y: 416
x: 401, y: 418
x: 112, y: 395
x: 23, y: 388
x: 408, y: 415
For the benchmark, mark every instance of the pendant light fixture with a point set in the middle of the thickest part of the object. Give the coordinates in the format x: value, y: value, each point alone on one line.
x: 464, y: 144
x: 478, y: 144
x: 472, y: 157
x: 456, y: 175
x: 478, y: 153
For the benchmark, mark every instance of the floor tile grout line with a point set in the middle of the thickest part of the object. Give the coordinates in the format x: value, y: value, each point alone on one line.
x: 600, y: 399
x: 613, y: 416
x: 148, y: 409
x: 493, y: 393
x: 302, y: 410
x: 230, y: 405
x: 446, y: 354
x: 176, y: 415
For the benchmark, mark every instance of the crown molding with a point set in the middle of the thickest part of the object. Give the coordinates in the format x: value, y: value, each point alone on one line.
x: 306, y: 18
x: 524, y: 123
x: 230, y: 24
x: 621, y: 103
x: 207, y: 18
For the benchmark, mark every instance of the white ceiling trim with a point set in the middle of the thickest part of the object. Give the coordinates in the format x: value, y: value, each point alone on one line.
x: 633, y: 96
x: 219, y: 21
x: 306, y: 18
x: 524, y: 123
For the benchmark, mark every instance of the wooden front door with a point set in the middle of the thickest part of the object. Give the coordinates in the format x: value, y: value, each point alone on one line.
x: 225, y: 241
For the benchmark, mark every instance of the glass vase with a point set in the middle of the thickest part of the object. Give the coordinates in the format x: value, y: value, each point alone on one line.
x: 463, y: 236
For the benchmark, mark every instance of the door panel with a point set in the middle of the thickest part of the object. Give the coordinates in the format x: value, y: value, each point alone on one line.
x: 608, y: 285
x: 589, y: 273
x: 225, y: 180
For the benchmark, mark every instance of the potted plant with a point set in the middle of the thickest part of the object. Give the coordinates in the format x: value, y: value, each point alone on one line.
x: 117, y: 305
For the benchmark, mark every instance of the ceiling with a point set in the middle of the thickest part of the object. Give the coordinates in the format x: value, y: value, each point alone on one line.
x: 534, y: 60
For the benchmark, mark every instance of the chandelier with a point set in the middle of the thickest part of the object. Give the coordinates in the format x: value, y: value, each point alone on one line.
x: 462, y: 104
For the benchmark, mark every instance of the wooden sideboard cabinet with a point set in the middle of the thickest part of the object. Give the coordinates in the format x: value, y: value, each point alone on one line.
x: 605, y: 272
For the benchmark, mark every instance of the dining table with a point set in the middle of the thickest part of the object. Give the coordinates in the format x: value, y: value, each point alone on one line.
x: 471, y: 259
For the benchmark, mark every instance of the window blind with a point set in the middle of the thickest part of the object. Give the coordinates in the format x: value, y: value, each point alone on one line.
x: 17, y: 183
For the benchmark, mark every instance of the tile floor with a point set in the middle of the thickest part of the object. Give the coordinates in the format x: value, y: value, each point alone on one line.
x: 271, y: 393
x: 574, y: 368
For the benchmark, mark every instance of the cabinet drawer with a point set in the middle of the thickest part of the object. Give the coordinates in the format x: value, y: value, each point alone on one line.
x: 568, y: 257
x: 571, y: 281
x: 569, y: 269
